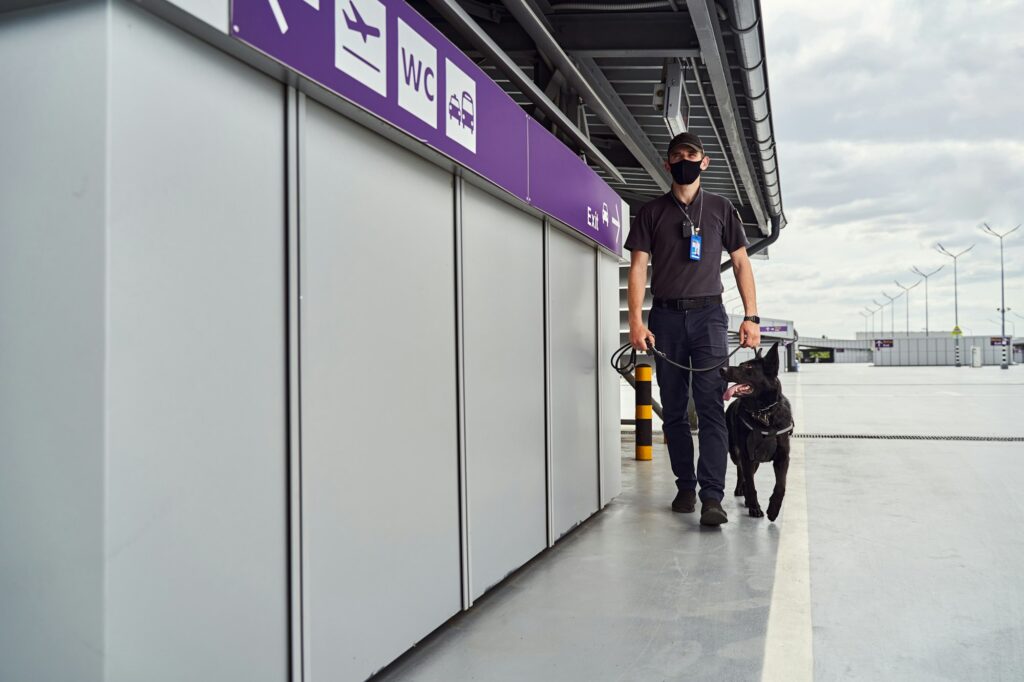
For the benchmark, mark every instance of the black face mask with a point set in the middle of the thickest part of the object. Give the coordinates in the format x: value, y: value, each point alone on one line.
x: 685, y: 172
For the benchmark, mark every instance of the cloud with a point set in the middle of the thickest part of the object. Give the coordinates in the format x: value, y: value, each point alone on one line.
x: 896, y: 70
x: 897, y: 126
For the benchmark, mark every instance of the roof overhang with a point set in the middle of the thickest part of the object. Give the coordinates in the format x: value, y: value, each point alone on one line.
x: 603, y: 65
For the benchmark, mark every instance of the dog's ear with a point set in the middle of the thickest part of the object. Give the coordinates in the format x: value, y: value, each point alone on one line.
x: 757, y: 352
x: 771, y: 360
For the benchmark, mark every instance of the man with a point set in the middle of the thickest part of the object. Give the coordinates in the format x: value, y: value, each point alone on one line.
x: 683, y: 234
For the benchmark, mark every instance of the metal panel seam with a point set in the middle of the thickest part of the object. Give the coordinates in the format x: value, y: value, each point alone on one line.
x: 300, y: 148
x: 293, y: 388
x: 460, y: 395
x: 547, y: 384
x: 597, y: 374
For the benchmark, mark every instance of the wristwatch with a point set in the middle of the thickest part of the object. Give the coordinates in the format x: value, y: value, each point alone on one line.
x: 752, y: 318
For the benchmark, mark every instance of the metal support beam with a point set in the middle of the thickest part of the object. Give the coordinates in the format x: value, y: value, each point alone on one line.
x: 639, y: 34
x: 629, y: 131
x: 705, y: 20
x: 542, y: 76
x: 624, y: 31
x: 595, y: 90
x: 634, y: 53
x: 581, y: 118
x: 455, y: 15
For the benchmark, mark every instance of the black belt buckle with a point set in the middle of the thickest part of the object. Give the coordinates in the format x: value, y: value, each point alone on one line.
x: 680, y: 304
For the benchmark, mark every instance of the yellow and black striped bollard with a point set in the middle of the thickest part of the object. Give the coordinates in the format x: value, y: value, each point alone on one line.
x: 643, y: 413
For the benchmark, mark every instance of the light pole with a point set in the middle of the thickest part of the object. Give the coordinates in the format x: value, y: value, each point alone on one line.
x: 956, y: 306
x: 1002, y: 285
x: 1018, y: 315
x: 868, y: 308
x: 864, y: 314
x: 926, y: 276
x: 906, y: 290
x: 892, y: 311
x: 881, y: 318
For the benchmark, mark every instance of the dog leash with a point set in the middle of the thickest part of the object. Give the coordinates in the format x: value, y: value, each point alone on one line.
x: 631, y: 365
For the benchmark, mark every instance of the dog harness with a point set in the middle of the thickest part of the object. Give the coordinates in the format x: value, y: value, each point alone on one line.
x: 764, y: 417
x: 761, y: 443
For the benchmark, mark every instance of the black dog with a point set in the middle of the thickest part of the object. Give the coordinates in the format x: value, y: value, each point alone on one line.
x: 759, y: 425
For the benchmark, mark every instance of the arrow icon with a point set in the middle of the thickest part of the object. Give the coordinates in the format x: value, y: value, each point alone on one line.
x: 618, y: 225
x: 282, y: 23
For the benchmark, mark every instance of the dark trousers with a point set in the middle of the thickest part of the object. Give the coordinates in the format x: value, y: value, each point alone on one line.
x: 698, y: 338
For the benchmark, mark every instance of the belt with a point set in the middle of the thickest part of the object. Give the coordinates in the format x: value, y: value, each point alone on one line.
x: 686, y: 303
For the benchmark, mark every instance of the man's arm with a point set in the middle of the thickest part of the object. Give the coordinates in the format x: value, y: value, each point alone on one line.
x: 638, y: 331
x: 750, y: 333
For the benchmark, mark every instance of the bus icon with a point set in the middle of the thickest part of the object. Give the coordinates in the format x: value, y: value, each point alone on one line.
x: 467, y: 110
x: 462, y: 110
x: 460, y: 101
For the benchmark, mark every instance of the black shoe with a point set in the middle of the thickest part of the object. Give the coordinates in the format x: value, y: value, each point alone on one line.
x: 712, y: 514
x: 685, y: 502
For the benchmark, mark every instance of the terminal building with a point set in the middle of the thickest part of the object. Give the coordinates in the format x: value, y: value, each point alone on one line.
x: 914, y: 349
x: 307, y: 307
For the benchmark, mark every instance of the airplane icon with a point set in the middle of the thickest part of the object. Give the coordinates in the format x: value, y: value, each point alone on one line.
x: 358, y: 25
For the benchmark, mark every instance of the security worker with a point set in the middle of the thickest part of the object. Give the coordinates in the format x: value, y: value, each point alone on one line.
x: 683, y: 234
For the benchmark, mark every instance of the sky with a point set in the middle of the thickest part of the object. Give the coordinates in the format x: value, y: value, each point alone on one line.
x: 899, y: 124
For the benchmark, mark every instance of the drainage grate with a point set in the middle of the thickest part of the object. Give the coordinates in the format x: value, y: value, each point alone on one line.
x: 869, y: 436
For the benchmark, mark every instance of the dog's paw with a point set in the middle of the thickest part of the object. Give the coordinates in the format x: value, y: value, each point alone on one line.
x: 738, y: 491
x: 774, y: 506
x: 755, y: 511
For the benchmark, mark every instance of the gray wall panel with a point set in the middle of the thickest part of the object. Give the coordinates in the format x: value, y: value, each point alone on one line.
x: 196, y: 511
x: 573, y: 284
x: 52, y: 185
x: 380, y: 494
x: 504, y: 360
x: 608, y: 334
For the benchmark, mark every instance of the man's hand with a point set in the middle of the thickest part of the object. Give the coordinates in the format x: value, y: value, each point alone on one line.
x: 639, y: 334
x: 750, y: 334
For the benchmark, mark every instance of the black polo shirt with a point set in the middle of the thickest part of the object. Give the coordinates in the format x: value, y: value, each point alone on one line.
x: 662, y: 228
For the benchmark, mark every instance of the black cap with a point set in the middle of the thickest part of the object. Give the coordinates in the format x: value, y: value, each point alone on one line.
x: 688, y: 139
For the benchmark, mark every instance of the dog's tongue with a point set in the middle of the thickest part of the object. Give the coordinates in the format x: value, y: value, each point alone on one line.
x: 731, y: 391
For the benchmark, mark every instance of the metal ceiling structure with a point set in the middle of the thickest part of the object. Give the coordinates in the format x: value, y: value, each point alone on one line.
x: 597, y: 73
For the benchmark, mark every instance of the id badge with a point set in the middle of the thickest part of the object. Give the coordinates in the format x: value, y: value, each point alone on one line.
x: 695, y: 247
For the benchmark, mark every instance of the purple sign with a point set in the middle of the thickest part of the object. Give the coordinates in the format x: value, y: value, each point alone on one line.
x: 883, y: 343
x: 775, y: 328
x: 567, y: 189
x: 998, y: 341
x: 387, y: 59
